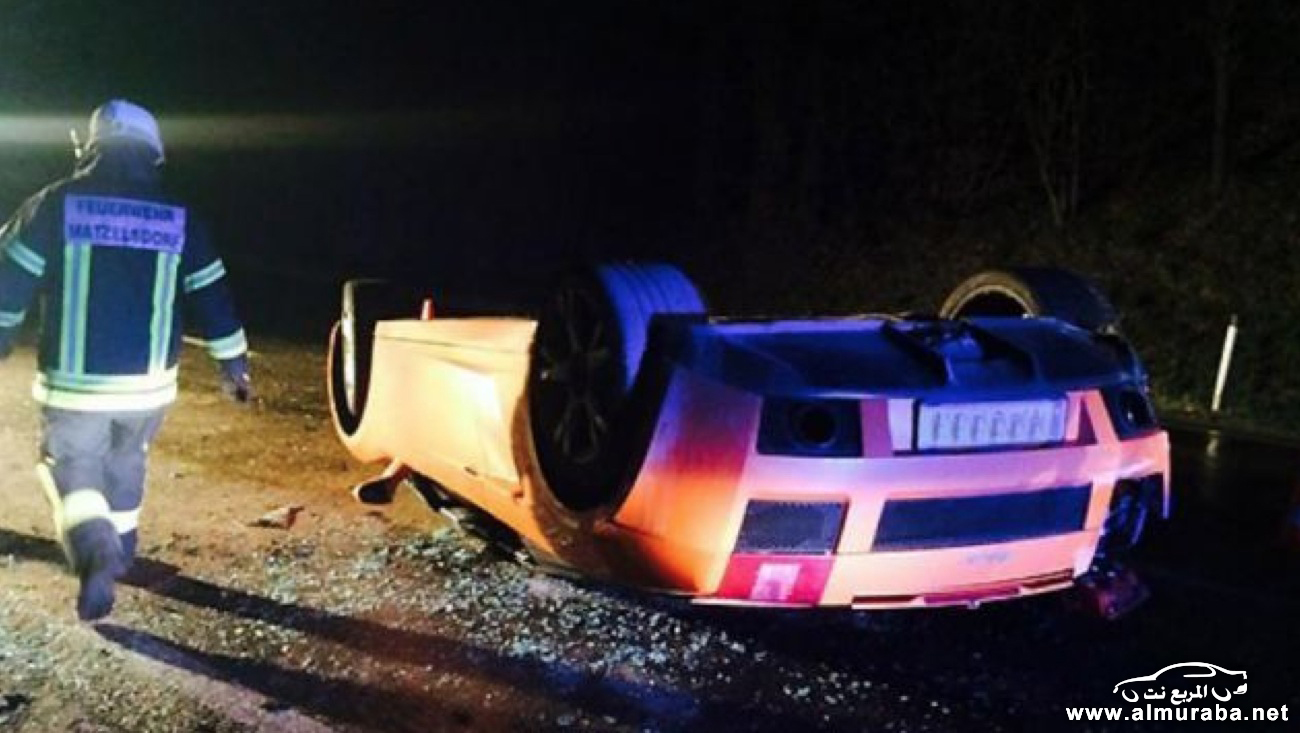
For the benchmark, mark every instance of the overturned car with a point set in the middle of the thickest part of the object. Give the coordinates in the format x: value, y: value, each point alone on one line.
x: 1003, y: 448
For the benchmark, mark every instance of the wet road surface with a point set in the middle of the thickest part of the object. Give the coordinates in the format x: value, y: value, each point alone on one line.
x: 1234, y: 527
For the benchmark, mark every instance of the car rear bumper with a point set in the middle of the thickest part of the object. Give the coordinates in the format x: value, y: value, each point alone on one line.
x: 966, y: 576
x: 681, y: 520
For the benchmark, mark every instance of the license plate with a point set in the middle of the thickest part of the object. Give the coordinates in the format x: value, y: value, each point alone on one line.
x: 970, y: 425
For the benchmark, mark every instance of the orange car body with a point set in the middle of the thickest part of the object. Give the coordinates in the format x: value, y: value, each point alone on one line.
x: 913, y: 527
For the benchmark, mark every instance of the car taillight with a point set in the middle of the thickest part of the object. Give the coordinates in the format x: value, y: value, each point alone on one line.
x: 783, y: 552
x: 790, y: 527
x: 792, y: 579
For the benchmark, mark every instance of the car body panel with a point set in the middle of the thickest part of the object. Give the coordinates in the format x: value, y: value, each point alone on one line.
x: 448, y: 399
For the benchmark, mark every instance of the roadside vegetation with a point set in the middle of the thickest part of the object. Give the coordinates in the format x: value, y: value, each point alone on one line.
x: 1154, y: 150
x: 1178, y: 266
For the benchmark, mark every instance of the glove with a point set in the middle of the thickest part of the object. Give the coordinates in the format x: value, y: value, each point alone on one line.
x: 235, y: 382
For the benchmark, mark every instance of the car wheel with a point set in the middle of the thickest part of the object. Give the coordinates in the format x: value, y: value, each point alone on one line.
x: 586, y: 358
x: 365, y: 302
x: 1034, y: 291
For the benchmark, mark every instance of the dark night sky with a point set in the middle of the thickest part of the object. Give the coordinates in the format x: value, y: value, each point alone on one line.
x: 495, y: 142
x: 295, y: 55
x: 449, y: 136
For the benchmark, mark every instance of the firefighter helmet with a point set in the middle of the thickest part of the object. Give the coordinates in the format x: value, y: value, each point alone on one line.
x: 119, y: 119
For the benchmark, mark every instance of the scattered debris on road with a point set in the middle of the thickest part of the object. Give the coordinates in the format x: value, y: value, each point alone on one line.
x: 282, y: 518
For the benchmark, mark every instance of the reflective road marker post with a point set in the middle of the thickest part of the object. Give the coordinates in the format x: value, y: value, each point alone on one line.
x: 1225, y: 361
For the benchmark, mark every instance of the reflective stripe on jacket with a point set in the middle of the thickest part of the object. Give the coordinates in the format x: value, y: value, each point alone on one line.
x: 113, y: 259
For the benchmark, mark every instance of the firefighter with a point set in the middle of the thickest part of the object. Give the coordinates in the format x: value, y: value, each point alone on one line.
x: 111, y: 257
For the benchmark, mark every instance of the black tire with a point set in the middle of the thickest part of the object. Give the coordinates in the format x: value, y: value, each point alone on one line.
x: 587, y: 354
x: 365, y: 302
x: 1034, y: 291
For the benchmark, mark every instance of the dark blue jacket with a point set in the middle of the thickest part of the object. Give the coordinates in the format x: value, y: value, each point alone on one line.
x: 111, y: 257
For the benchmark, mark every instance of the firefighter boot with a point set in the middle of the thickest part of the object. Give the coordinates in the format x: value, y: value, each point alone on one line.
x: 98, y: 562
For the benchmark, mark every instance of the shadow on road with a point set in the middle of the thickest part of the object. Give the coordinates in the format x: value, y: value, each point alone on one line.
x: 386, y: 708
x: 340, y: 700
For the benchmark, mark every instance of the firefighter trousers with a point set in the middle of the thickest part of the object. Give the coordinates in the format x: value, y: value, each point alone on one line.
x: 93, y: 469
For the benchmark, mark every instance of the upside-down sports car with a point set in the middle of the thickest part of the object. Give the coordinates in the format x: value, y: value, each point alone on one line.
x: 1004, y: 447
